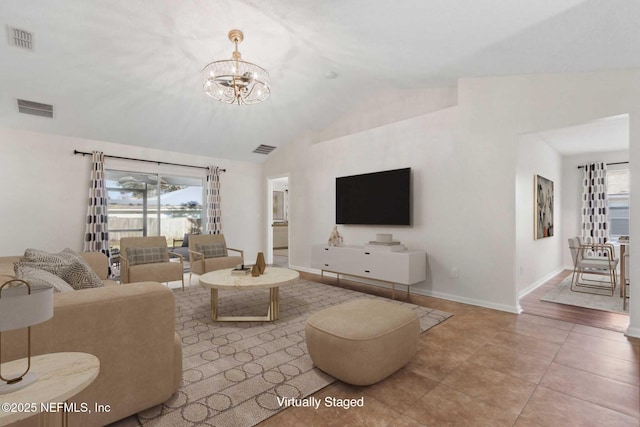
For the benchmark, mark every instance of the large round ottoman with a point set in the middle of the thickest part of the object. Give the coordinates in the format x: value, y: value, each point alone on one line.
x: 363, y: 341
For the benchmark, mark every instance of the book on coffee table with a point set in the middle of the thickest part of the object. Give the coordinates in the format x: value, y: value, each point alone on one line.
x: 241, y: 271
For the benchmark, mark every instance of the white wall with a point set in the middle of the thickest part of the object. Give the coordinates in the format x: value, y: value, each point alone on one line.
x: 45, y: 190
x: 572, y: 190
x: 536, y: 260
x: 464, y: 161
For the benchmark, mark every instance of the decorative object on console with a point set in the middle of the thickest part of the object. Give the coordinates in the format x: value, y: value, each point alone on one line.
x: 335, y: 239
x: 385, y: 242
x: 261, y: 263
x: 235, y: 81
x: 543, y: 207
x: 387, y: 247
x: 22, y: 306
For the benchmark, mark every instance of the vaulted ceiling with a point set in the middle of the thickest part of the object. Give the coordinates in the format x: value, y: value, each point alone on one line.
x: 129, y: 71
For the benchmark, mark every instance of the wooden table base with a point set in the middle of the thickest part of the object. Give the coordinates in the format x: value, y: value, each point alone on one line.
x: 272, y: 313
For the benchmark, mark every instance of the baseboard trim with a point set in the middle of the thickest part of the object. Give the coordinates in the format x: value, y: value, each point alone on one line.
x: 471, y: 301
x: 633, y: 332
x: 532, y: 287
x: 440, y: 295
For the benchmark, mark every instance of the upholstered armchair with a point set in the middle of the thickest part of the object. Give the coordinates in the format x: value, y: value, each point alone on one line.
x: 148, y: 259
x: 591, y: 259
x: 209, y: 252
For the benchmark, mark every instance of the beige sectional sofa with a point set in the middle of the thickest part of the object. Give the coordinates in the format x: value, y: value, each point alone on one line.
x: 130, y: 328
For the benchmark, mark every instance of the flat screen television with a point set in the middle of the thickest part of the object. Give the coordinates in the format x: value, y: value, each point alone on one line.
x: 379, y: 198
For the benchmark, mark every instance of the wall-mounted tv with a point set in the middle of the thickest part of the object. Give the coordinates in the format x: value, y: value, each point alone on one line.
x: 379, y: 198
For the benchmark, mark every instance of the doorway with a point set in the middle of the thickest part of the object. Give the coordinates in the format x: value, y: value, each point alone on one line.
x: 546, y: 263
x: 278, y: 222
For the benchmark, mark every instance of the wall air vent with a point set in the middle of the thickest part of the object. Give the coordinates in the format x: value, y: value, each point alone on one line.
x: 264, y: 149
x: 35, y: 108
x: 20, y: 38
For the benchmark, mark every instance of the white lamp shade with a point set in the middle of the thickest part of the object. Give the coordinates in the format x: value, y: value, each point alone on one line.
x: 18, y: 309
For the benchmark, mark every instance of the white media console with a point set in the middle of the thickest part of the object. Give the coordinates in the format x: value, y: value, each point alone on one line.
x: 405, y: 268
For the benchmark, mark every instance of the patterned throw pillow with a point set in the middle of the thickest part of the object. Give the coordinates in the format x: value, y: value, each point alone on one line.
x: 79, y: 274
x: 37, y: 277
x: 138, y: 256
x: 212, y: 250
x: 67, y: 265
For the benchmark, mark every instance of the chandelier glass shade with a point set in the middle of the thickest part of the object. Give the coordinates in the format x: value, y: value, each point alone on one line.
x: 235, y: 81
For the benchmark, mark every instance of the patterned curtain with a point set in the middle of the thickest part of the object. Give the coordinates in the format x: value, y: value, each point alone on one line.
x: 96, y: 238
x: 213, y: 211
x: 595, y: 208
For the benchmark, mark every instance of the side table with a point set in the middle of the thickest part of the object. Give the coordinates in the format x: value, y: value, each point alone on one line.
x: 62, y: 376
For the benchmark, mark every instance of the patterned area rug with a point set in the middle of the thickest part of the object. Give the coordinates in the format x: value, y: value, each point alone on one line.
x: 562, y: 294
x: 234, y: 371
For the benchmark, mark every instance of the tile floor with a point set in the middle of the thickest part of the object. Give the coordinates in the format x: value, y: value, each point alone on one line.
x: 488, y: 368
x: 484, y: 367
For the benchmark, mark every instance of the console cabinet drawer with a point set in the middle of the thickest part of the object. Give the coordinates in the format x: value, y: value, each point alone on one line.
x: 406, y: 267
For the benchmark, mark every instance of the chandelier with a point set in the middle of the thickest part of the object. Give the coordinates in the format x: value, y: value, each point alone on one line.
x: 235, y: 81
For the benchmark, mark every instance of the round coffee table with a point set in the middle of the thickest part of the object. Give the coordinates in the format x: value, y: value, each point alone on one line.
x: 272, y: 278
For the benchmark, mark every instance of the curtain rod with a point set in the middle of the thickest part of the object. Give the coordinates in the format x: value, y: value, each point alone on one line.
x: 609, y: 164
x: 76, y: 152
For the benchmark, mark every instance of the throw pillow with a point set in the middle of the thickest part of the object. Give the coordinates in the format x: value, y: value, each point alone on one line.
x: 37, y: 277
x: 137, y: 256
x: 53, y: 263
x: 212, y: 250
x: 79, y: 273
x: 67, y: 265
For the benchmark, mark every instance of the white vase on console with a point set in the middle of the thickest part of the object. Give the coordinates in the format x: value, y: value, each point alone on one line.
x: 335, y: 239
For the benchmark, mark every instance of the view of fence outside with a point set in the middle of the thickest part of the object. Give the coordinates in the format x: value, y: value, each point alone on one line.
x: 171, y: 228
x: 142, y: 204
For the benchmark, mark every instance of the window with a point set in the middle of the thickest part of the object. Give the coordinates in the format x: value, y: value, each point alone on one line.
x: 142, y: 204
x: 618, y: 198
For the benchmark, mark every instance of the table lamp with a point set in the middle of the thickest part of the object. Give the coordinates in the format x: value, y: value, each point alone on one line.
x: 22, y: 306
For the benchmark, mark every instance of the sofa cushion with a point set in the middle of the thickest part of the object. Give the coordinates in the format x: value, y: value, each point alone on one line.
x: 212, y: 250
x: 38, y: 277
x: 67, y: 265
x: 137, y: 256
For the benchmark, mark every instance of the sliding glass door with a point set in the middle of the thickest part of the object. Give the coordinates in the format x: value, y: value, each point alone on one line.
x: 142, y: 204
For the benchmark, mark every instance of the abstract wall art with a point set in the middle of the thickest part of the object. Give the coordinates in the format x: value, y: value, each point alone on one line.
x: 543, y: 207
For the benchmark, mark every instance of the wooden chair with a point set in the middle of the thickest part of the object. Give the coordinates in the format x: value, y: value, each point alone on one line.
x: 593, y: 259
x: 148, y: 259
x: 209, y: 252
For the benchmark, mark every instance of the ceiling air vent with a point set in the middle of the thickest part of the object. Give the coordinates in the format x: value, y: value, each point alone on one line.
x: 35, y: 108
x: 20, y: 38
x: 264, y: 149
